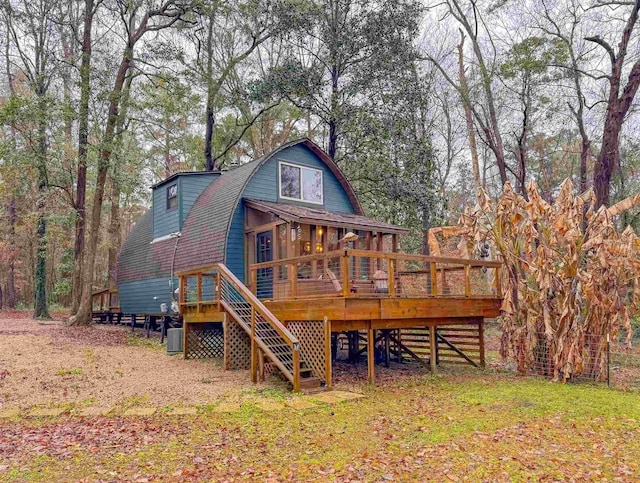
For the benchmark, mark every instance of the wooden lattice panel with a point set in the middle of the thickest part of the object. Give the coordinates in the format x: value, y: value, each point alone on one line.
x: 311, y: 334
x: 237, y: 347
x: 204, y: 344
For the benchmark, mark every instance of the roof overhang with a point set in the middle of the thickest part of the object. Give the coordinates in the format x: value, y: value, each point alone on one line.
x: 314, y: 216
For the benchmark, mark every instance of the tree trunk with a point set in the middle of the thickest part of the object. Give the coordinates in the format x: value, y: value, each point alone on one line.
x: 492, y: 132
x: 83, y: 135
x: 608, y: 158
x: 210, y: 121
x: 618, y: 105
x: 114, y: 234
x: 10, y: 292
x: 41, y: 305
x: 83, y: 315
x: 464, y: 88
x: 333, y: 119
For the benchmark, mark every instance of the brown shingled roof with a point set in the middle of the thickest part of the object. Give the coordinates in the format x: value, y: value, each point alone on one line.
x: 204, y: 233
x: 321, y: 217
x: 139, y: 258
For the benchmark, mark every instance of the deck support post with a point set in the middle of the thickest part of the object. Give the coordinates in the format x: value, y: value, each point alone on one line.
x: 354, y: 351
x: 260, y: 366
x: 433, y: 348
x: 387, y: 349
x: 481, y: 341
x: 371, y: 353
x: 328, y: 359
x: 185, y: 338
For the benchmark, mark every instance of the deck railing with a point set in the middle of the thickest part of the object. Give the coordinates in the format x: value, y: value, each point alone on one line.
x: 362, y: 273
x: 105, y: 300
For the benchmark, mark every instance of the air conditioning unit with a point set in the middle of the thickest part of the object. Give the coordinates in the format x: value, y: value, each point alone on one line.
x: 174, y: 341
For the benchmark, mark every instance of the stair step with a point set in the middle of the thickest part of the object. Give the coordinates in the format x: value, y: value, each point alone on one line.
x: 311, y: 383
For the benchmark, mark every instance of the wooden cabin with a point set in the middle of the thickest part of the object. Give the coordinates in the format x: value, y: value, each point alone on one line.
x: 274, y: 267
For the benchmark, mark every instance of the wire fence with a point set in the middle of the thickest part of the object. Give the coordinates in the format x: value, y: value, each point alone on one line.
x: 598, y: 358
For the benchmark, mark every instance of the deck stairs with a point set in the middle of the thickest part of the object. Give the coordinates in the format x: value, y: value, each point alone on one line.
x: 278, y: 345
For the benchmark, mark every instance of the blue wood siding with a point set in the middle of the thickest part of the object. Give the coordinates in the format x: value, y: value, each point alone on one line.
x: 138, y: 297
x: 190, y: 186
x: 164, y: 221
x: 263, y: 185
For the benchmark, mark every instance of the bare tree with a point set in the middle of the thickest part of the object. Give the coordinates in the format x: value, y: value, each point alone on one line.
x: 90, y: 9
x: 487, y: 117
x: 136, y: 22
x: 31, y: 33
x: 619, y: 101
x: 471, y: 130
x: 554, y: 28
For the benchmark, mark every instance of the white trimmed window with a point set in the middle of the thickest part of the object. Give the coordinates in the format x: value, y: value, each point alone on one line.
x: 172, y: 197
x: 300, y: 183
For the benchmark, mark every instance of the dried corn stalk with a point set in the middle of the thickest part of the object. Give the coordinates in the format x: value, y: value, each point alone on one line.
x: 570, y: 277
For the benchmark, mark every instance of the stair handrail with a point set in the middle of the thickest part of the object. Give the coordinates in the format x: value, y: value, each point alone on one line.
x: 258, y: 307
x: 289, y: 338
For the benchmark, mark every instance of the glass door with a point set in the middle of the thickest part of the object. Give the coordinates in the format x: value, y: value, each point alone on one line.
x: 264, y: 253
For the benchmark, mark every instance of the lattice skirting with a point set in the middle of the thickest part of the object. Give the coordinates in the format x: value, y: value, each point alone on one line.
x: 205, y: 343
x: 311, y: 334
x: 237, y: 347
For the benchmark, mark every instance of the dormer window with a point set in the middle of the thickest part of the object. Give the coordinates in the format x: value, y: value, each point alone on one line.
x: 300, y: 183
x: 172, y: 197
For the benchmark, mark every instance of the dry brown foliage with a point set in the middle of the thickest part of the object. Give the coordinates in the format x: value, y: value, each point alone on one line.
x: 570, y: 276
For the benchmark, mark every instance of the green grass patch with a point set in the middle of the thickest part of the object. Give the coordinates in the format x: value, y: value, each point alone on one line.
x: 150, y: 343
x: 473, y: 427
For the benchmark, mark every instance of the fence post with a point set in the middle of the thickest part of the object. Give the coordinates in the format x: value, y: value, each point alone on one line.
x: 608, y: 360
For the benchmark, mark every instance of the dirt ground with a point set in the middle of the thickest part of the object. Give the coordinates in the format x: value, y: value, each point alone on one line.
x: 48, y: 364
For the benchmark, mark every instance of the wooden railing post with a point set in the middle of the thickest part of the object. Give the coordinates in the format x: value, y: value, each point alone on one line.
x: 181, y: 290
x: 296, y: 367
x: 391, y: 277
x: 344, y: 274
x: 199, y: 288
x: 218, y: 287
x: 293, y: 278
x: 467, y: 280
x: 434, y: 279
x: 254, y: 281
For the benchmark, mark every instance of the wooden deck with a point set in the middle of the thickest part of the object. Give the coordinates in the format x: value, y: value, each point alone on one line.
x: 305, y: 302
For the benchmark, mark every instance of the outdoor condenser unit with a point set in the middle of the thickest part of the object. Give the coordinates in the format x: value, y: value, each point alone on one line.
x: 174, y: 341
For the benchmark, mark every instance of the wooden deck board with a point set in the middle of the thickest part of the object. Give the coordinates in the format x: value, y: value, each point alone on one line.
x: 341, y: 309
